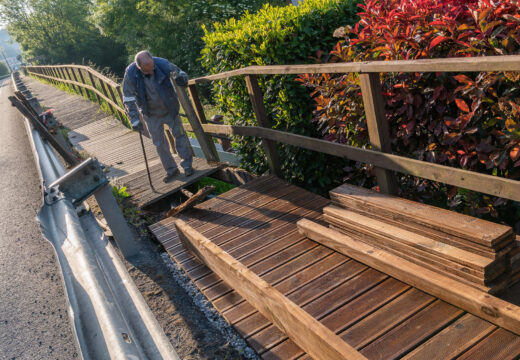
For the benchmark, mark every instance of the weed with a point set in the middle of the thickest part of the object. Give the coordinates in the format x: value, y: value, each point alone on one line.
x: 220, y: 186
x: 120, y: 193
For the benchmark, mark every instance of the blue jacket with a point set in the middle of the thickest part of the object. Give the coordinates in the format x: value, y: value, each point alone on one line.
x: 134, y: 91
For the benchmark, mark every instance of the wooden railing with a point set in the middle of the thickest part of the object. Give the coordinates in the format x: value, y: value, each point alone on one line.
x: 380, y: 156
x: 369, y: 73
x: 82, y: 79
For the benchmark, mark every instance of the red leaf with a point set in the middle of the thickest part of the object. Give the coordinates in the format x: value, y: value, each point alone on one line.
x: 437, y: 41
x: 515, y: 153
x: 463, y: 79
x: 461, y: 104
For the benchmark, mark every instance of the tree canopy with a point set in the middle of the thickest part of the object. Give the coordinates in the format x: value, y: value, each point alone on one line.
x: 60, y: 31
x: 108, y: 32
x: 170, y: 29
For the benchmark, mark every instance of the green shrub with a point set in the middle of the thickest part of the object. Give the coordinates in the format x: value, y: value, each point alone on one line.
x: 276, y: 35
x: 468, y: 120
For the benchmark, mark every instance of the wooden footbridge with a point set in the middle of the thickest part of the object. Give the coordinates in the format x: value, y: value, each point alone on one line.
x: 365, y: 274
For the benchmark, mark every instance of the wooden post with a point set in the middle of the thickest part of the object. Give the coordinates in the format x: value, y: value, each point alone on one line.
x: 257, y: 99
x: 205, y: 141
x: 378, y: 131
x: 94, y: 86
x: 199, y: 110
x: 76, y: 79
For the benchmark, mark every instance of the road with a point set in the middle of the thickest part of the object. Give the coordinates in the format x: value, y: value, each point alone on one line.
x: 34, y: 323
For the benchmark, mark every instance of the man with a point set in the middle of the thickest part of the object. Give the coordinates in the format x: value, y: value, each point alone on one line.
x: 147, y: 91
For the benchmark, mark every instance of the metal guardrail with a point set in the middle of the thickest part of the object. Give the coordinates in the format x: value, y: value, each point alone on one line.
x: 109, y: 316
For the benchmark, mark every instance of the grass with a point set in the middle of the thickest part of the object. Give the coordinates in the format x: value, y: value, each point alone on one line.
x: 220, y: 186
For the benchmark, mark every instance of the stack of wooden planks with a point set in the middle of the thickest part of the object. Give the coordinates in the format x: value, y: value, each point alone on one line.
x: 514, y: 259
x: 479, y: 253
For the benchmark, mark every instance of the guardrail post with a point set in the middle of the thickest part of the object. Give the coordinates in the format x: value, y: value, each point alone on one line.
x: 257, y: 99
x: 378, y: 131
x: 205, y: 141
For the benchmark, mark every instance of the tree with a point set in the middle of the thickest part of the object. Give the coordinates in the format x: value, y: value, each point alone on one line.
x: 60, y: 32
x: 170, y: 29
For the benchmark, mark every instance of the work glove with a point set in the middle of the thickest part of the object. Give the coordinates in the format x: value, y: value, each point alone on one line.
x: 137, y: 126
x: 180, y: 77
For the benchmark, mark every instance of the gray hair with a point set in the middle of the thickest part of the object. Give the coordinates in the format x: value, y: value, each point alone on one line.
x: 140, y: 55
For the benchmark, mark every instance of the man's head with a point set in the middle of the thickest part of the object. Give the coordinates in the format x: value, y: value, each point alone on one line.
x: 144, y: 62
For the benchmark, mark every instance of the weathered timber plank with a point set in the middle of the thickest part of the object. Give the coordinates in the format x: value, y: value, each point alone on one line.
x: 453, y: 340
x: 316, y: 340
x: 383, y: 232
x: 481, y: 63
x: 406, y: 211
x: 304, y: 295
x: 479, y: 303
x: 322, y: 306
x: 501, y: 344
x: 413, y: 331
x: 353, y: 311
x: 495, y: 286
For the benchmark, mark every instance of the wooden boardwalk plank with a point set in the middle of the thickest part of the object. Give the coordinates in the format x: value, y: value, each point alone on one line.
x: 115, y: 146
x: 366, y: 308
x: 453, y: 340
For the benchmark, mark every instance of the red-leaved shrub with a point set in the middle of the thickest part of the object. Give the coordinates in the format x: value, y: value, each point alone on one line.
x: 466, y: 120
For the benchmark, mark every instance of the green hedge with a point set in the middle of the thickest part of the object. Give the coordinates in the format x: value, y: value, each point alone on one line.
x: 277, y: 35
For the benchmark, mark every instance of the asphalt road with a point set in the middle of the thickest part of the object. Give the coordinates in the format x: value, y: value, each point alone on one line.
x: 34, y: 323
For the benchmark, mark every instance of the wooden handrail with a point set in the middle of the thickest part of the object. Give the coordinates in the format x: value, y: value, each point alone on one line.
x: 488, y: 184
x: 465, y: 64
x: 83, y: 67
x: 79, y: 84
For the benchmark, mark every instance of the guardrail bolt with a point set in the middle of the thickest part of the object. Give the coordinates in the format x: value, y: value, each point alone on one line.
x: 54, y: 198
x: 53, y: 190
x: 96, y: 178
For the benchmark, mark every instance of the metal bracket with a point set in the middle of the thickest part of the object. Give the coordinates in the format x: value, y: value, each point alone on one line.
x: 81, y: 181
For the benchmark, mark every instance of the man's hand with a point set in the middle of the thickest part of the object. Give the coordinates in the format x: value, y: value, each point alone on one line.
x: 137, y: 126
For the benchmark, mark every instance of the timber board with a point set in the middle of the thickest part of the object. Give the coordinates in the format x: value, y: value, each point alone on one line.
x: 369, y: 310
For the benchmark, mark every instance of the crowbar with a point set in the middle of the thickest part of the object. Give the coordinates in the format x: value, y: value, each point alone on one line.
x: 146, y: 160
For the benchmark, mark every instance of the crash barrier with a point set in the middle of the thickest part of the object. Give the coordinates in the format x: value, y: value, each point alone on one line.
x: 109, y: 316
x: 379, y: 156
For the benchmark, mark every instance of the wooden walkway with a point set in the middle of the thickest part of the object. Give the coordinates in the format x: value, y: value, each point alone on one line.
x: 380, y: 316
x: 118, y: 148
